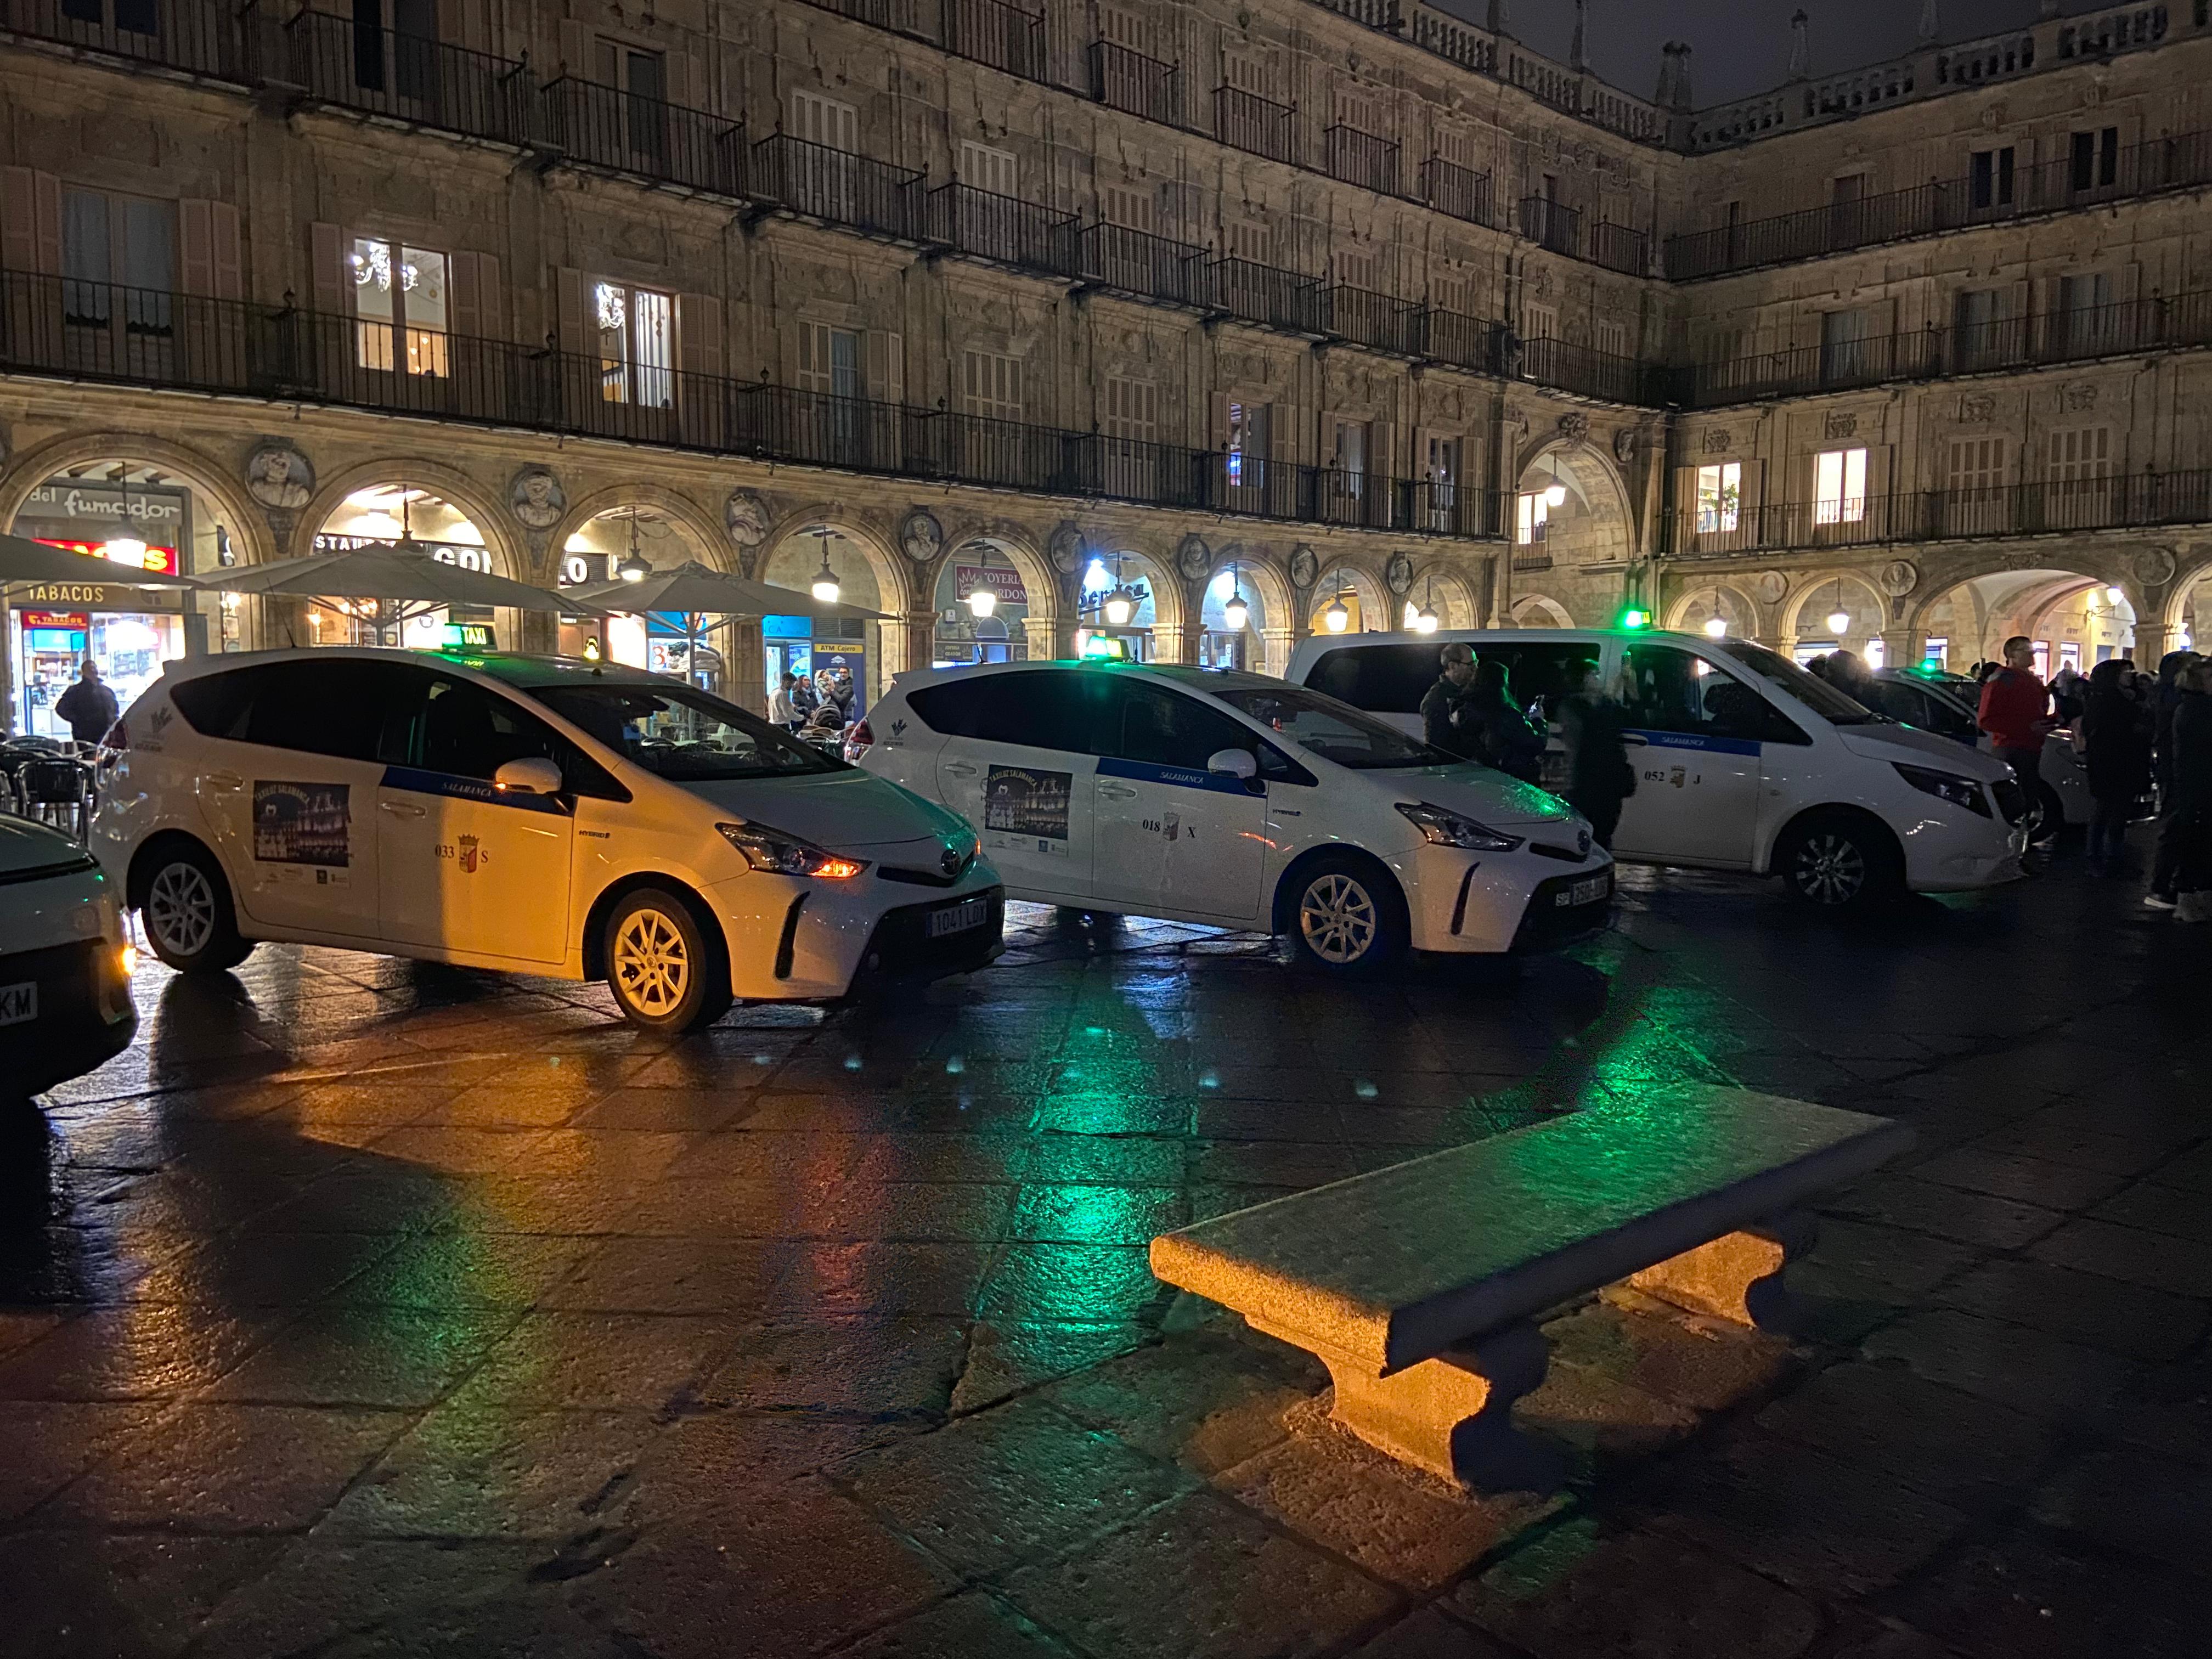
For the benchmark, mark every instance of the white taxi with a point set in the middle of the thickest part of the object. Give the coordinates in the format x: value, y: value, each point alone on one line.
x: 64, y: 967
x: 1205, y: 795
x: 536, y: 814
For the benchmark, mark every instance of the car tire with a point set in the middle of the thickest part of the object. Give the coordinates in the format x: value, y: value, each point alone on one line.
x: 190, y: 918
x: 2052, y: 807
x: 1345, y: 915
x: 667, y: 971
x: 1841, y: 861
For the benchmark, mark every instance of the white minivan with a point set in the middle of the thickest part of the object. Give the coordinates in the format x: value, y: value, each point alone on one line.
x: 1743, y: 760
x: 538, y: 814
x: 1236, y: 800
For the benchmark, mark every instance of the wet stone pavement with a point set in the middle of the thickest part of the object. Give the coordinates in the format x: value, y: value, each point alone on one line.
x: 368, y: 1308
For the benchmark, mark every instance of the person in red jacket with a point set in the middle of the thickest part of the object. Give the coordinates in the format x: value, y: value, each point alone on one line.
x: 2015, y: 712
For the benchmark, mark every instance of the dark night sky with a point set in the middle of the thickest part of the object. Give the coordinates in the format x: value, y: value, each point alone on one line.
x: 1742, y: 47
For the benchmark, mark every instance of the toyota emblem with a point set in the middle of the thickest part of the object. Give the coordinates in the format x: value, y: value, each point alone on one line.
x: 1582, y: 842
x: 949, y: 861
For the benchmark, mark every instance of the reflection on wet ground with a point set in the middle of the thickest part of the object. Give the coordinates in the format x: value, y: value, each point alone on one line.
x: 365, y: 1305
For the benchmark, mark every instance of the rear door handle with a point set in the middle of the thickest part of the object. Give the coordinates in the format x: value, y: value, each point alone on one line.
x: 402, y: 809
x: 1630, y: 740
x: 960, y: 769
x: 225, y: 780
x: 1116, y: 791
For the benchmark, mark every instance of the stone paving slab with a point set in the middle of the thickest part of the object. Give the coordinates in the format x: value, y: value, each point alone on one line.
x: 365, y: 1309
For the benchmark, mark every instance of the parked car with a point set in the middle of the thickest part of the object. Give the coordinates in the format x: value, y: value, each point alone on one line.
x: 535, y: 814
x: 1743, y: 760
x: 1950, y: 708
x: 1240, y: 800
x: 65, y: 967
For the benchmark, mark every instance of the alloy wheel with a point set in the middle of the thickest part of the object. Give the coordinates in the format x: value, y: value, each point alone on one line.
x: 180, y: 908
x: 1336, y: 918
x: 653, y: 969
x: 1831, y: 868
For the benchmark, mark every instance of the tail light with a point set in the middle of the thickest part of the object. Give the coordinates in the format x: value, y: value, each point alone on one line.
x: 860, y: 736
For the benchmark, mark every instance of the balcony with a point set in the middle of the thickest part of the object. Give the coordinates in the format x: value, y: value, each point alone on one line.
x: 136, y: 337
x: 2180, y: 162
x: 1004, y: 229
x: 1375, y: 320
x: 605, y: 126
x: 1006, y: 37
x: 1471, y: 342
x: 1150, y: 267
x: 1129, y: 81
x: 1619, y: 248
x: 838, y: 187
x: 1458, y: 191
x: 2139, y: 500
x: 1566, y: 367
x: 1246, y: 121
x: 1361, y: 158
x: 1266, y: 293
x: 406, y: 77
x: 899, y: 15
x: 196, y: 37
x: 1551, y: 225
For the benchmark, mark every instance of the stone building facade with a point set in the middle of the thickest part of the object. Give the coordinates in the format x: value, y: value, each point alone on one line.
x: 1307, y: 301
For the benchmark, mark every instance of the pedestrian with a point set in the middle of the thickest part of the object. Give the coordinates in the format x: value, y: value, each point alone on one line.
x: 1599, y: 776
x: 2015, y: 711
x: 1505, y: 738
x: 1847, y: 672
x: 2116, y: 731
x: 88, y: 706
x: 2163, y: 862
x: 2069, y: 693
x: 1442, y: 705
x: 779, y: 711
x: 2191, y: 802
x: 803, y: 697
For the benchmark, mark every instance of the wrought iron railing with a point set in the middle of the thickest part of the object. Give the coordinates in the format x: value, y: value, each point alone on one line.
x: 1002, y: 229
x: 1361, y: 158
x: 97, y: 331
x: 1005, y: 36
x: 1995, y: 193
x: 1269, y: 294
x: 197, y: 37
x: 1244, y: 120
x: 839, y: 186
x: 1375, y: 320
x: 1131, y: 81
x: 1138, y: 262
x: 1551, y: 225
x: 1461, y: 191
x: 608, y: 127
x: 408, y: 77
x: 1619, y: 248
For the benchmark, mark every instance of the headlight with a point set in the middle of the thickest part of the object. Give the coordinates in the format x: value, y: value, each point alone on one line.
x: 1442, y: 828
x: 786, y: 856
x: 1945, y: 786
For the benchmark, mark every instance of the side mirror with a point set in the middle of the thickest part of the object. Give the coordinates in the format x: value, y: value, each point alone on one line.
x: 533, y: 774
x: 1233, y: 763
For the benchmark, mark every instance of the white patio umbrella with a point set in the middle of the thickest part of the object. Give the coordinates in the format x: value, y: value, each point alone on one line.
x: 399, y: 577
x: 696, y: 591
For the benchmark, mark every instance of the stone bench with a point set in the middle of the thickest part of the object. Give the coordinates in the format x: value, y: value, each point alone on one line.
x: 1417, y: 1286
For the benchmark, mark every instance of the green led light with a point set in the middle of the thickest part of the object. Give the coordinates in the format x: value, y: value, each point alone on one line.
x: 1635, y: 619
x: 1104, y: 647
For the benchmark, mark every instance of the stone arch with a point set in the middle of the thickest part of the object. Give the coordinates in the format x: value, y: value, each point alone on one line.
x: 1171, y: 603
x: 510, y: 556
x: 1830, y: 586
x: 1693, y: 606
x: 1455, y: 602
x: 1530, y: 607
x: 895, y: 581
x: 2190, y: 567
x: 1591, y: 477
x: 707, y: 538
x: 244, y: 517
x: 1039, y: 579
x: 1367, y: 580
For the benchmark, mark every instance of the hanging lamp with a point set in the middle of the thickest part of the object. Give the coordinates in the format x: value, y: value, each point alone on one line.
x: 1235, y: 613
x: 826, y: 588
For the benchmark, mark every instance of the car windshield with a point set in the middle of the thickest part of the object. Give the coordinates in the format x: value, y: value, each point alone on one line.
x: 1816, y: 693
x: 686, y: 736
x: 1335, y: 730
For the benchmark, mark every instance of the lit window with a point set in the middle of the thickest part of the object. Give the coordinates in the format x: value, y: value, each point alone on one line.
x: 1529, y: 527
x: 1839, y: 478
x: 399, y: 298
x: 638, y: 344
x: 1720, y: 496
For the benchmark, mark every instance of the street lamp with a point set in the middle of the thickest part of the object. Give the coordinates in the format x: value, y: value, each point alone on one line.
x: 1337, y: 617
x: 982, y: 599
x: 1717, y: 624
x: 2116, y: 595
x: 1121, y: 605
x: 125, y: 546
x: 826, y: 588
x: 1839, y: 619
x: 634, y: 566
x: 1235, y: 613
x: 1555, y: 494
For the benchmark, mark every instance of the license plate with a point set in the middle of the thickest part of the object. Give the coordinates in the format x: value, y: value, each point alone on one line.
x: 1587, y: 890
x: 19, y: 1003
x: 959, y: 918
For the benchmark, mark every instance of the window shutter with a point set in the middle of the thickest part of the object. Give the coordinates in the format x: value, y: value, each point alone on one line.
x: 678, y: 78
x: 569, y: 301
x: 472, y: 24
x: 30, y: 222
x: 224, y: 237
x: 1383, y: 460
x: 478, y: 304
x: 886, y: 366
x: 195, y: 247
x: 699, y: 323
x: 1686, y: 510
x: 1216, y: 438
x: 328, y: 278
x: 577, y: 50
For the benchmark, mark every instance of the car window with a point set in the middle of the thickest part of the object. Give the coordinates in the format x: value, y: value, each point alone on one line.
x: 1333, y: 730
x: 335, y: 706
x: 1387, y: 679
x: 1816, y: 693
x: 1908, y: 704
x: 1063, y: 708
x: 1666, y: 688
x: 1161, y: 727
x: 684, y: 734
x: 1542, y: 672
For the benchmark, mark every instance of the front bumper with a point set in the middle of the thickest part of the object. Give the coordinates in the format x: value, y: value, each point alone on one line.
x: 1963, y: 858
x: 85, y: 1015
x: 1486, y: 903
x: 792, y: 939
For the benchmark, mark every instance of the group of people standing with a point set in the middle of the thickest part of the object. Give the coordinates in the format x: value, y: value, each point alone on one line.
x: 2133, y: 729
x: 820, y: 704
x: 1470, y: 712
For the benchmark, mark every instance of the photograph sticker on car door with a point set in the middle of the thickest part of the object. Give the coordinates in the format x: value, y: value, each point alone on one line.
x: 304, y: 823
x: 1025, y: 807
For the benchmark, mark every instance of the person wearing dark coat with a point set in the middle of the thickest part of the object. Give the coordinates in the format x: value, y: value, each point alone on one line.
x: 88, y: 706
x: 2191, y: 800
x: 2167, y: 698
x: 1441, y: 709
x: 1599, y: 776
x: 1503, y: 737
x: 2116, y: 729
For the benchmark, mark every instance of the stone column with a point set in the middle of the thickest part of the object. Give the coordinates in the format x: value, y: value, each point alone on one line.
x: 745, y: 662
x: 1906, y: 646
x: 914, y: 646
x: 2153, y: 641
x: 1277, y: 645
x: 1050, y: 640
x: 1177, y: 644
